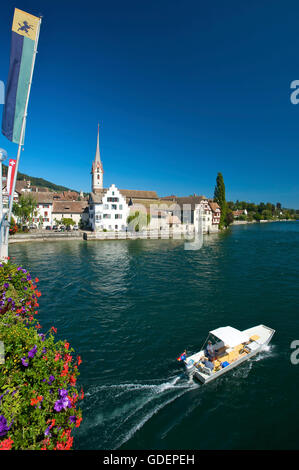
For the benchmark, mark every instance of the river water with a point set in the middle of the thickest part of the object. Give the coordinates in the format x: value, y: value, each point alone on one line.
x: 130, y: 308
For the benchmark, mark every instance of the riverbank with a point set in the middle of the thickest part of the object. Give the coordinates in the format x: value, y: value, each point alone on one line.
x: 242, y: 222
x: 90, y: 236
x: 143, y: 235
x: 45, y: 236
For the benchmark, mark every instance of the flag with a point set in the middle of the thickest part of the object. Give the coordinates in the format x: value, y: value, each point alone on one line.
x: 10, y: 175
x: 182, y: 357
x: 25, y: 29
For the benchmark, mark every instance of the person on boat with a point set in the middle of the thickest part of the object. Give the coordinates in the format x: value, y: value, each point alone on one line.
x: 210, y: 350
x: 204, y: 361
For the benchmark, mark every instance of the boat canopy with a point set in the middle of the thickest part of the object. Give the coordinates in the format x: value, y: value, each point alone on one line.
x: 230, y: 336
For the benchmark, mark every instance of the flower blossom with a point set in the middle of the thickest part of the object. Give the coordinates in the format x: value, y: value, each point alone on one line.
x: 32, y: 352
x: 6, y: 444
x: 3, y: 426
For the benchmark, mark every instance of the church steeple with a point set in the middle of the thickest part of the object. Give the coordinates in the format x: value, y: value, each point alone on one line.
x: 97, y: 167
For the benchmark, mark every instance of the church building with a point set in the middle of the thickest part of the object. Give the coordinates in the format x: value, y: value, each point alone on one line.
x: 109, y: 208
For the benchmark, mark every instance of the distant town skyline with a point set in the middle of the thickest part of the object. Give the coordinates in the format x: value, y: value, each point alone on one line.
x: 181, y: 92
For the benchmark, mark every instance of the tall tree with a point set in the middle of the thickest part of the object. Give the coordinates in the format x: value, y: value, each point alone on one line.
x: 24, y: 209
x: 219, y: 197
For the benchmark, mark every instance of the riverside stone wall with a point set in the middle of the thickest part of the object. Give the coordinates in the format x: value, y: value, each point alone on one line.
x: 45, y: 236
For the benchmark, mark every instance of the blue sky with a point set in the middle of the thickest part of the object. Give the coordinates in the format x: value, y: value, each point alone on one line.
x: 182, y: 90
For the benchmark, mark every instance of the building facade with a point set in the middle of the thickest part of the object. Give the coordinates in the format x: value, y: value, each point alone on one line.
x: 108, y: 209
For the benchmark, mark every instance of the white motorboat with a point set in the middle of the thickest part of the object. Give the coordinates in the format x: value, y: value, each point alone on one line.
x: 228, y: 348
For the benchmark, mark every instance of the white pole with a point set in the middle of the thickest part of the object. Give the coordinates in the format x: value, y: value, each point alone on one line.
x: 1, y: 207
x: 1, y: 200
x: 20, y: 142
x: 2, y: 158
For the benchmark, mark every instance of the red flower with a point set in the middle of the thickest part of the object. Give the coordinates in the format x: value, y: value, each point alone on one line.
x: 65, y: 370
x: 36, y: 279
x: 68, y: 358
x: 34, y: 401
x: 78, y: 422
x: 66, y: 345
x: 79, y: 360
x: 54, y: 329
x: 72, y: 380
x: 6, y: 444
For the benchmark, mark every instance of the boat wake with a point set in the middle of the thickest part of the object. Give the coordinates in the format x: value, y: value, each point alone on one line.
x: 266, y: 352
x: 125, y: 408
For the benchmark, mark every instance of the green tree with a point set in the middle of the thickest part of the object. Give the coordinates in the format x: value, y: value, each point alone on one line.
x: 25, y: 208
x: 219, y: 197
x: 229, y: 218
x: 67, y: 221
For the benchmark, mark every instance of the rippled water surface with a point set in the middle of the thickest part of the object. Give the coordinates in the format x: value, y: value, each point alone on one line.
x: 130, y: 308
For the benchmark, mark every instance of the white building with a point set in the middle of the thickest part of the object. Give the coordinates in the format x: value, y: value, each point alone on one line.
x: 74, y: 210
x: 198, y: 210
x: 108, y: 210
x: 43, y: 215
x: 44, y: 202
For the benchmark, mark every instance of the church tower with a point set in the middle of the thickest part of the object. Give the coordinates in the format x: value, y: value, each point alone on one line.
x: 97, y: 169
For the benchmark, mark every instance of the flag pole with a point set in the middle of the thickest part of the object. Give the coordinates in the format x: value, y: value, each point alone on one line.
x: 4, y: 247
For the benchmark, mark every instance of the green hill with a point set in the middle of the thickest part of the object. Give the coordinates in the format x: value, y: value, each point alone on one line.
x: 39, y: 182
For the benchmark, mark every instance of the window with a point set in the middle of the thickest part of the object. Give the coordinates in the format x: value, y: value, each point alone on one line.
x: 116, y: 227
x: 118, y: 216
x: 113, y: 207
x: 120, y: 207
x: 46, y: 214
x: 106, y: 216
x: 46, y: 206
x: 112, y: 199
x: 106, y: 206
